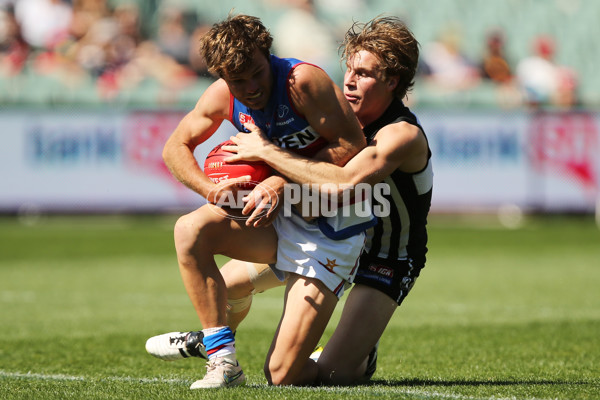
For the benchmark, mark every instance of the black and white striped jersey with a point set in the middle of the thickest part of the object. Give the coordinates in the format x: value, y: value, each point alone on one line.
x: 401, y: 235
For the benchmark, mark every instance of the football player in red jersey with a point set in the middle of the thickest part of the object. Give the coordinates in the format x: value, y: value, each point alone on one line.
x: 289, y: 100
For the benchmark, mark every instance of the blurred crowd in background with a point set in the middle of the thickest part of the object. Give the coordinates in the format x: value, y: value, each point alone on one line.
x: 145, y: 53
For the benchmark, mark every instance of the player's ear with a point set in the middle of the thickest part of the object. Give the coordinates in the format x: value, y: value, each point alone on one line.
x: 392, y: 83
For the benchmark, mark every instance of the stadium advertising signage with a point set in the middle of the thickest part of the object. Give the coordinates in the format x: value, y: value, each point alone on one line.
x: 111, y: 161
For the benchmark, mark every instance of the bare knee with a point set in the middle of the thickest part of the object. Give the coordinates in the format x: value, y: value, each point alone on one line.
x: 280, y: 372
x: 182, y: 231
x: 191, y: 228
x: 277, y: 372
x: 277, y: 375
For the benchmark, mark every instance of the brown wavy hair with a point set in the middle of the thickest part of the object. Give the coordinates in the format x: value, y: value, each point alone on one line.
x: 392, y: 42
x: 228, y: 47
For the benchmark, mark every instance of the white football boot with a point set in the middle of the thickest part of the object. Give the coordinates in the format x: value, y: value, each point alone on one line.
x: 177, y: 345
x: 221, y: 372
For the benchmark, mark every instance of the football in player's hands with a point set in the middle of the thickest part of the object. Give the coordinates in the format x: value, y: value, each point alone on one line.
x: 218, y: 170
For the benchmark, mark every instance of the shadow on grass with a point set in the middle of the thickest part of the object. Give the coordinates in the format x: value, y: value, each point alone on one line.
x: 466, y: 382
x: 433, y: 383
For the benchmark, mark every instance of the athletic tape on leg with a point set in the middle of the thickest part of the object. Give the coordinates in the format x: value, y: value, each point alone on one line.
x: 262, y: 277
x: 239, y: 305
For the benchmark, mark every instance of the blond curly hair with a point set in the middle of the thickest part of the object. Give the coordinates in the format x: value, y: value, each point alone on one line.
x: 392, y: 42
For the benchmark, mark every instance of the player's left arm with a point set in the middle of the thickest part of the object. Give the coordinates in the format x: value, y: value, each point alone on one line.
x: 399, y: 145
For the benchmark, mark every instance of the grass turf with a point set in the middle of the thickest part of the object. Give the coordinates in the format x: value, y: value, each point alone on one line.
x: 496, y: 314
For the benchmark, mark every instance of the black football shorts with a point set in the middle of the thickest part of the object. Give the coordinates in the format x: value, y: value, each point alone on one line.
x: 392, y: 277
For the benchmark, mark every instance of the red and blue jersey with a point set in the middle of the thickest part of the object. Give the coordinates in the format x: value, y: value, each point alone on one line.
x: 280, y: 120
x: 287, y: 128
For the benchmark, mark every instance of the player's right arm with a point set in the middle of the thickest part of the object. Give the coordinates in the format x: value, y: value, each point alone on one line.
x: 197, y: 126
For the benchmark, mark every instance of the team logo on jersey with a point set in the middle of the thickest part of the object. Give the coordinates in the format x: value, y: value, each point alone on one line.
x: 244, y: 118
x: 282, y: 111
x: 282, y: 114
x: 331, y: 264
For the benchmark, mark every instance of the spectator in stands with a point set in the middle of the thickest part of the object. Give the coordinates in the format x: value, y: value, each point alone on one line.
x: 85, y: 14
x: 299, y: 33
x: 537, y: 74
x: 45, y: 27
x: 128, y: 19
x: 494, y: 64
x: 121, y: 49
x: 98, y: 41
x: 13, y: 48
x: 90, y: 31
x: 445, y: 67
x: 172, y: 36
x: 115, y: 50
x: 568, y: 89
x: 196, y: 61
x: 150, y: 63
x: 44, y: 23
x: 544, y: 82
x: 495, y: 68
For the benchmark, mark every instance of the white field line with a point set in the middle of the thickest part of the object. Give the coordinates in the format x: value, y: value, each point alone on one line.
x: 62, y: 377
x: 422, y: 393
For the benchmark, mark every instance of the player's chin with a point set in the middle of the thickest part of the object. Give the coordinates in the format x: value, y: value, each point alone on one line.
x: 256, y: 103
x: 355, y: 106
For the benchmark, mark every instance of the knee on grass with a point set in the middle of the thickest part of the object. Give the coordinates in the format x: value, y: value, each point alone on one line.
x: 278, y: 376
x: 282, y: 373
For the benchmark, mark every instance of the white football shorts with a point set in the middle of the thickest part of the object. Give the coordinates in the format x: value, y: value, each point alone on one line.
x: 304, y: 250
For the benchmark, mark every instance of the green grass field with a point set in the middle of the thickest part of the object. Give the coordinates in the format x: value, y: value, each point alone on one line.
x: 496, y: 314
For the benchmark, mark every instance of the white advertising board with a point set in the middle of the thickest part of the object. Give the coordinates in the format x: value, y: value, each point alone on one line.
x: 92, y: 162
x: 111, y: 161
x: 536, y: 161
